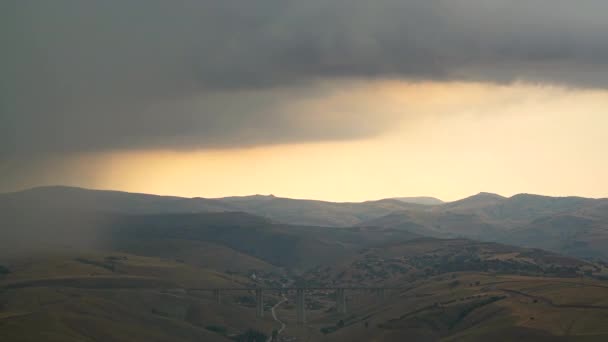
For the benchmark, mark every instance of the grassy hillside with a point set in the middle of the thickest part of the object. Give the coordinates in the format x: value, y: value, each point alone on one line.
x: 403, y: 262
x: 448, y: 289
x: 480, y: 307
x: 117, y: 297
x: 456, y: 290
x: 94, y: 272
x: 233, y: 241
x: 276, y: 244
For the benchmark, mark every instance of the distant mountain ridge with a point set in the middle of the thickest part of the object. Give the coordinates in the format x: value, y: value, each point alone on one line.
x: 421, y: 200
x: 428, y: 200
x: 294, y: 211
x: 575, y: 226
x: 572, y: 225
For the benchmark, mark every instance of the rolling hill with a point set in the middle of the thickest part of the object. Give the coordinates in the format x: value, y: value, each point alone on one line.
x: 285, y: 210
x: 571, y: 225
x: 117, y: 297
x: 79, y: 265
x: 122, y: 267
x: 443, y: 290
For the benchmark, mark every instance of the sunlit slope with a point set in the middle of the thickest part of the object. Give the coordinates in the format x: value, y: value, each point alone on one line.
x: 443, y: 290
x: 465, y: 290
x: 482, y: 307
x: 400, y: 263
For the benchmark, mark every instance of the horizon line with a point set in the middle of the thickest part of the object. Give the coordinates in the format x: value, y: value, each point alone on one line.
x: 397, y: 198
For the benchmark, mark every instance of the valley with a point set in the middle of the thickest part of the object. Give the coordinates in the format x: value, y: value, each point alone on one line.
x: 144, y: 275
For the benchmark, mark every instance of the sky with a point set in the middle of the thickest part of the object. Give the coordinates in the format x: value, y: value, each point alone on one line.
x: 335, y: 100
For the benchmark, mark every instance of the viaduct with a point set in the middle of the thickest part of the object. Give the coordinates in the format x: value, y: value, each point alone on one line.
x: 300, y: 296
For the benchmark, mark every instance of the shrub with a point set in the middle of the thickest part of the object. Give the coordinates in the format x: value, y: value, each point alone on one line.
x: 217, y: 329
x: 4, y: 270
x: 251, y: 336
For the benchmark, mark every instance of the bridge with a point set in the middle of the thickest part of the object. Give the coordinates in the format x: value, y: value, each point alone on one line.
x: 300, y: 296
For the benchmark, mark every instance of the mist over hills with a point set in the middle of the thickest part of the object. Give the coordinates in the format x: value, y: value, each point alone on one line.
x: 59, y: 217
x: 572, y: 225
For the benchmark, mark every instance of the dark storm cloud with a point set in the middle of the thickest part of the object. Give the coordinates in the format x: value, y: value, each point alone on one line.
x: 126, y: 74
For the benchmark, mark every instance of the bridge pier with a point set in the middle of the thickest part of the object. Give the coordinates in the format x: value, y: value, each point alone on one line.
x: 340, y: 301
x: 300, y: 306
x: 259, y: 303
x: 218, y: 296
x: 382, y: 294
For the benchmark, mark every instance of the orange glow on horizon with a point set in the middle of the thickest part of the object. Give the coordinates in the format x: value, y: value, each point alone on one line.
x: 448, y: 140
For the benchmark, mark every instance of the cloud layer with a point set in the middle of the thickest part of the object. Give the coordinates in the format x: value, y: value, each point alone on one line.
x: 84, y: 76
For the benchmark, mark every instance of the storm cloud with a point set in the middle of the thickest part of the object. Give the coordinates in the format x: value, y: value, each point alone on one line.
x: 80, y: 76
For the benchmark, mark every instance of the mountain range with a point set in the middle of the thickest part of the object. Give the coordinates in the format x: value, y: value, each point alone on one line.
x: 571, y: 225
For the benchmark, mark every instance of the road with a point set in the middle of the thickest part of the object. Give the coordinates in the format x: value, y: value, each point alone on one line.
x: 274, y: 316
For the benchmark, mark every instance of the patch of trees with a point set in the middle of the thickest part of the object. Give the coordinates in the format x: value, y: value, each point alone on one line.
x: 454, y: 283
x: 467, y: 310
x: 247, y: 301
x: 464, y: 263
x: 4, y: 270
x: 194, y: 314
x: 108, y: 265
x: 314, y: 305
x: 350, y: 320
x: 251, y: 336
x: 116, y: 258
x: 217, y: 329
x: 327, y: 330
x: 159, y: 313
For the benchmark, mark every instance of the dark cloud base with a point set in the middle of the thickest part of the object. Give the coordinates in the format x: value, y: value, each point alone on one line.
x: 129, y: 74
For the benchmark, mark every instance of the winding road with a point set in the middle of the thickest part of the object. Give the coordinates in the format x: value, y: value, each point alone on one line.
x: 274, y: 316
